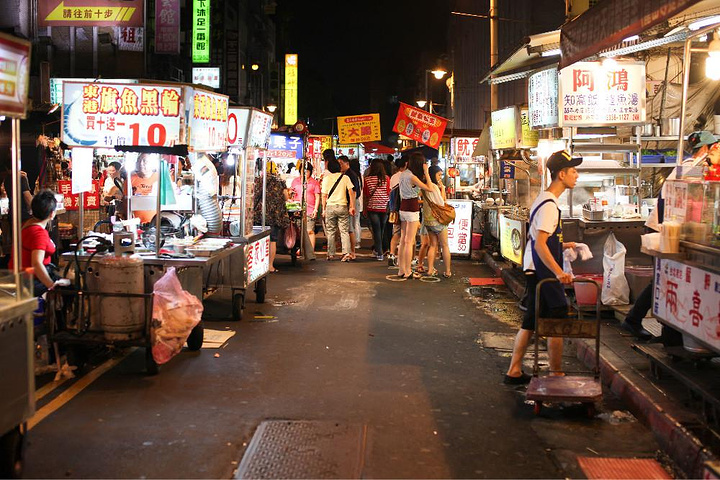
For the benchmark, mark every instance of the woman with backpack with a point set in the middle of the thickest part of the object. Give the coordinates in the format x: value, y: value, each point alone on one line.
x: 437, y: 232
x: 376, y: 194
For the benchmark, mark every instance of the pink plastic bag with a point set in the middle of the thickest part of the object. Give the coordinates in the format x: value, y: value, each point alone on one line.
x: 175, y: 313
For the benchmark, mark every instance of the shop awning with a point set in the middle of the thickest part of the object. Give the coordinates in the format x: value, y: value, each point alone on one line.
x: 611, y: 22
x: 375, y: 147
x: 537, y: 51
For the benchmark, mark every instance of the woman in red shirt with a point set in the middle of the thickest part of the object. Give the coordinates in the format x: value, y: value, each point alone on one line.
x: 376, y: 194
x: 37, y: 248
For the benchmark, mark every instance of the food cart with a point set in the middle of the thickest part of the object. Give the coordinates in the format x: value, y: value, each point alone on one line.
x: 17, y: 395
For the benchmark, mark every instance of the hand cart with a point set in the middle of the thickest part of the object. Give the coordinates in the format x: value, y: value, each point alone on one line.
x: 294, y: 251
x: 582, y: 389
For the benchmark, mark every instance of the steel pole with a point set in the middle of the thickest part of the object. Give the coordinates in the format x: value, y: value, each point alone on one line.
x: 493, y: 52
x: 17, y: 198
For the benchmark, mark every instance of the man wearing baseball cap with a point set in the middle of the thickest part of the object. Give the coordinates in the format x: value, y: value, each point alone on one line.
x: 543, y: 259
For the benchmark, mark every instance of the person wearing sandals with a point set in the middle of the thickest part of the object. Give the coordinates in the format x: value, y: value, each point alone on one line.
x: 437, y: 232
x: 410, y: 186
x: 338, y: 204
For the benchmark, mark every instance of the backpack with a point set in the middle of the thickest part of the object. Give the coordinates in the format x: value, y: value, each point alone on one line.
x: 393, y: 206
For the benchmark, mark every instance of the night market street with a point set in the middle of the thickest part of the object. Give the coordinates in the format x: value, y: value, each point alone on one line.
x: 410, y: 364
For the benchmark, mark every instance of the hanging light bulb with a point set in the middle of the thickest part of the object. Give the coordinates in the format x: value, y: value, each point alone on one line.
x: 712, y: 62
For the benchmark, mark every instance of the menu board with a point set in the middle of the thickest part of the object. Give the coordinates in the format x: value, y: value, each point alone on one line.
x: 260, y: 127
x: 543, y: 99
x: 102, y: 115
x: 505, y: 126
x: 602, y: 93
x: 460, y: 230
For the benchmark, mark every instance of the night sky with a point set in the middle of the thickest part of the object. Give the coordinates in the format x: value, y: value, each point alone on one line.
x: 355, y: 56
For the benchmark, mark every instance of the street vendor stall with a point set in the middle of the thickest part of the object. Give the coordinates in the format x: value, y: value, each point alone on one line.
x: 17, y: 302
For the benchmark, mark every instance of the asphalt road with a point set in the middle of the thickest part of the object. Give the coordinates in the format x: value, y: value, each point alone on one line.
x: 411, y: 362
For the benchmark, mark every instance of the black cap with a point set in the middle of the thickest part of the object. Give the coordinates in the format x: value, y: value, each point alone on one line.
x: 700, y: 138
x: 562, y: 159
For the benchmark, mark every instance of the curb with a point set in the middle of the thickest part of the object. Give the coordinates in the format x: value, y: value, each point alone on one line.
x: 516, y: 286
x: 678, y: 442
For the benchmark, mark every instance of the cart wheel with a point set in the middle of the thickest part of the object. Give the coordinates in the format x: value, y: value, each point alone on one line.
x: 151, y: 365
x: 261, y: 290
x: 12, y: 452
x: 238, y: 303
x: 195, y: 340
x: 590, y: 407
x: 537, y: 407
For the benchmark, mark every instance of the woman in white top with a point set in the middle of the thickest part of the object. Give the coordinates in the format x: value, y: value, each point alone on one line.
x: 410, y: 185
x: 337, y: 188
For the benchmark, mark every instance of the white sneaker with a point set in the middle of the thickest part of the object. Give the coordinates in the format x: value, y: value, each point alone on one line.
x: 380, y: 258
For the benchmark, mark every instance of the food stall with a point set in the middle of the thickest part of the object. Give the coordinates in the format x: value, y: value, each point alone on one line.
x: 469, y: 170
x: 17, y: 302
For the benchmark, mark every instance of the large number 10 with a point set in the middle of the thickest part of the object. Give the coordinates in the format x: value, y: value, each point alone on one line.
x: 156, y: 134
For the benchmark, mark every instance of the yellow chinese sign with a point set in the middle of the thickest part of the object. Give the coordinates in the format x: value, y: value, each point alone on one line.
x: 504, y: 128
x: 201, y: 31
x: 359, y: 128
x: 529, y: 137
x: 291, y: 88
x: 96, y: 13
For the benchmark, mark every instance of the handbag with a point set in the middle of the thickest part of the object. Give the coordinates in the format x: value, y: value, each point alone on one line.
x: 445, y: 214
x: 291, y: 235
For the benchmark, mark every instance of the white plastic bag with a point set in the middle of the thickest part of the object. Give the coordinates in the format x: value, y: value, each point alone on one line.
x: 615, y: 288
x: 175, y: 313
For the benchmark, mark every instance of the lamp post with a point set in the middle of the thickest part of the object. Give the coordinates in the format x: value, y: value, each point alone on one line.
x: 438, y: 72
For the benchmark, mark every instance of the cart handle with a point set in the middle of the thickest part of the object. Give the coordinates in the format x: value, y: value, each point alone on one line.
x: 575, y: 280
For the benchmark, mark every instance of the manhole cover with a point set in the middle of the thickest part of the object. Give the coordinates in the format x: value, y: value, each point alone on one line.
x: 304, y: 449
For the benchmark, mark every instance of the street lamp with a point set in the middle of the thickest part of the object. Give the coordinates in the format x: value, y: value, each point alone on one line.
x: 271, y: 108
x: 438, y: 73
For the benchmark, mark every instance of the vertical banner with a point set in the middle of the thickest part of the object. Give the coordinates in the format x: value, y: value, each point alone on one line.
x: 543, y: 98
x: 82, y: 159
x: 201, y: 31
x: 419, y: 125
x: 167, y: 27
x: 291, y: 88
x: 460, y: 230
x: 130, y: 39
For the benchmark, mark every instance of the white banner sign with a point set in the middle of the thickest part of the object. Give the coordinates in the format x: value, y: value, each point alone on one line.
x: 102, y: 115
x: 463, y: 148
x: 82, y: 159
x: 460, y: 230
x: 207, y: 120
x: 689, y: 299
x: 238, y: 119
x: 257, y: 255
x: 260, y: 126
x: 130, y: 39
x: 607, y: 93
x: 209, y: 76
x: 543, y: 99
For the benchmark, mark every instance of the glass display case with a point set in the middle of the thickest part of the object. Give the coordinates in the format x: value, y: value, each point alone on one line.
x: 695, y: 204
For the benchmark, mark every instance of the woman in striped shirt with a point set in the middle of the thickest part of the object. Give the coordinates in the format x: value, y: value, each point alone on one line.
x: 376, y: 194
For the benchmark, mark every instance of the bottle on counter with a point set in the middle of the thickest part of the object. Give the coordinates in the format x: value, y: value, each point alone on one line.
x: 644, y: 210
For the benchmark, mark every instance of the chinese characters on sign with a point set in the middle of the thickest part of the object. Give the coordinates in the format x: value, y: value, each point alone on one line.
x: 238, y: 120
x: 505, y: 128
x: 207, y: 119
x: 689, y: 298
x: 260, y: 127
x: 291, y: 88
x: 463, y: 148
x: 103, y: 115
x: 72, y: 200
x: 129, y: 39
x: 14, y: 75
x: 359, y: 128
x: 419, y: 125
x: 595, y: 94
x: 460, y: 230
x: 257, y: 254
x: 528, y: 136
x: 285, y: 146
x: 90, y: 13
x: 209, y: 76
x: 201, y: 31
x: 167, y: 27
x: 543, y: 99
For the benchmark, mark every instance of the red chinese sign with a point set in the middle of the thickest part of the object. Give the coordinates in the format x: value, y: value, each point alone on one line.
x: 463, y: 147
x: 72, y: 201
x: 90, y: 13
x: 104, y: 115
x: 420, y: 125
x: 688, y: 298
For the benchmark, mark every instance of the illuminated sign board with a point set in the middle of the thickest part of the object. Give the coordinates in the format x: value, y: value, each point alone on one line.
x: 201, y: 31
x: 504, y: 128
x: 90, y: 13
x: 209, y: 76
x: 207, y: 115
x: 238, y: 121
x: 291, y: 88
x: 543, y: 98
x: 102, y: 115
x: 460, y: 230
x: 56, y: 86
x: 14, y: 75
x: 359, y: 128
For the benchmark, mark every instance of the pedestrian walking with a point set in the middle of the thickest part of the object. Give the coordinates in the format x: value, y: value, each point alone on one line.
x: 543, y: 259
x: 338, y: 203
x: 436, y: 232
x: 410, y: 186
x: 376, y: 193
x: 357, y: 187
x: 276, y: 215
